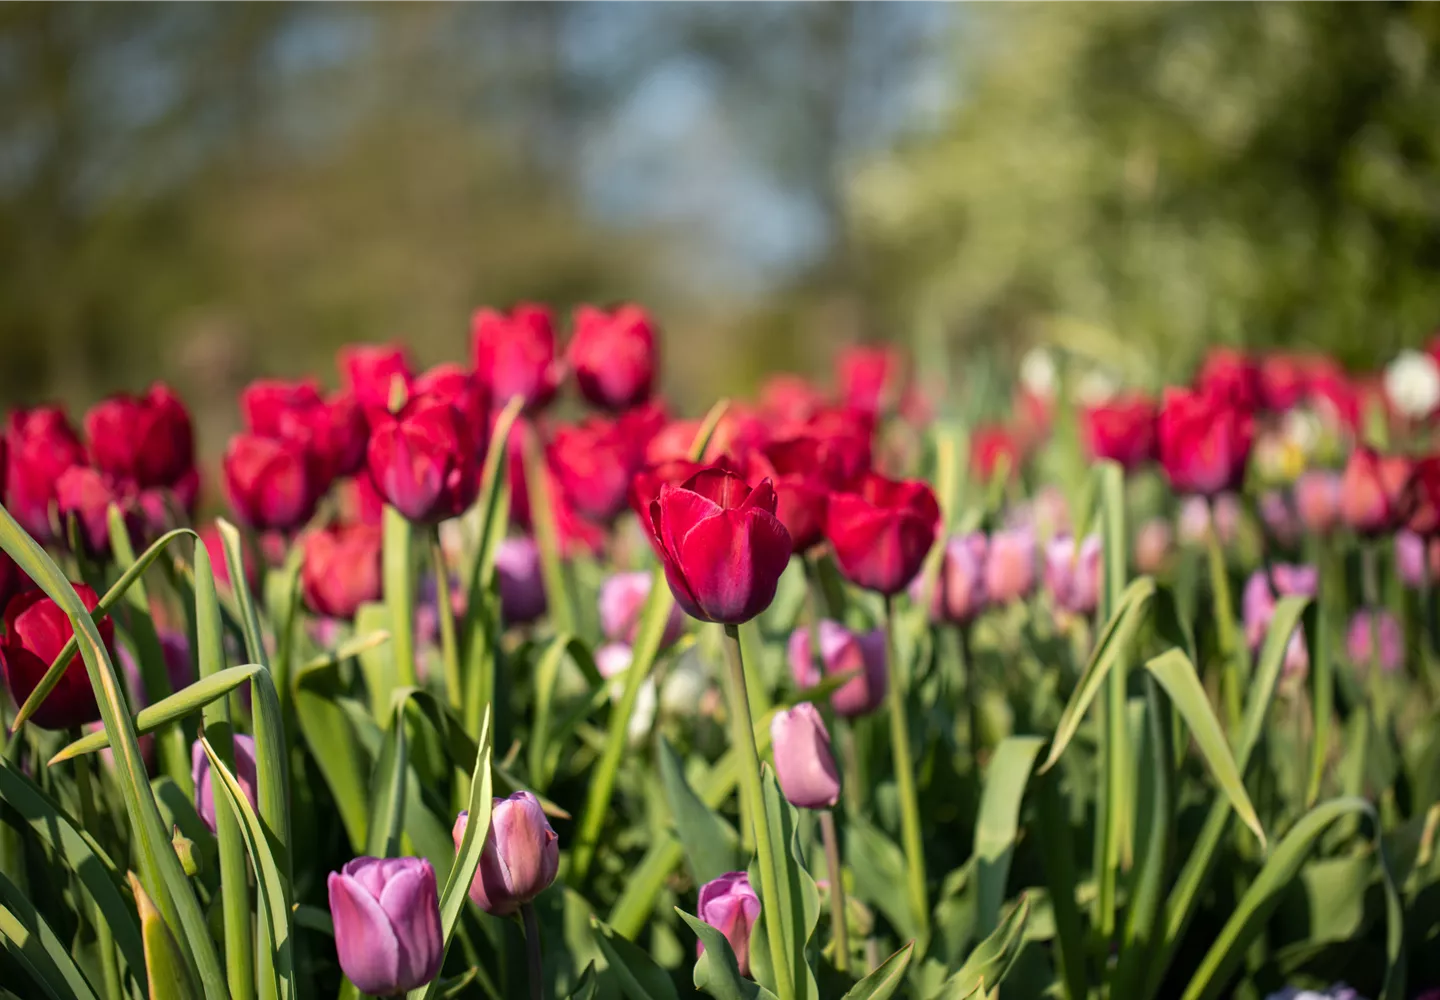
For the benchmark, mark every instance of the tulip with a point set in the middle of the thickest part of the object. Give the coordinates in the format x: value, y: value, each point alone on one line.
x: 1335, y: 398
x: 645, y: 485
x: 1230, y: 375
x: 795, y: 466
x: 959, y: 595
x: 729, y: 905
x: 595, y: 462
x: 721, y: 545
x: 804, y: 765
x: 790, y: 399
x: 1010, y: 568
x: 370, y: 372
x: 613, y: 355
x: 882, y: 531
x: 1412, y: 384
x: 612, y: 660
x: 266, y: 402
x: 1423, y: 516
x: 86, y: 494
x: 458, y: 387
x: 386, y: 913
x: 1284, y: 379
x: 1375, y: 635
x: 1375, y: 492
x: 1072, y: 578
x: 1317, y: 500
x: 871, y: 379
x: 1122, y: 430
x: 243, y: 769
x: 1339, y: 991
x: 522, y: 586
x: 992, y: 448
x: 12, y: 579
x: 1153, y: 543
x: 146, y: 439
x: 841, y: 652
x: 1278, y: 518
x: 424, y: 460
x: 622, y: 602
x: 36, y: 629
x: 514, y: 354
x: 1258, y: 608
x: 268, y: 482
x: 40, y: 445
x: 521, y: 855
x: 1204, y: 441
x: 341, y: 569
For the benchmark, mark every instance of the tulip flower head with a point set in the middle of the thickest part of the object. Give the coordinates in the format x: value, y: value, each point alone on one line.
x: 424, y: 460
x: 1122, y: 430
x: 1010, y: 566
x: 1073, y: 579
x: 40, y: 446
x: 613, y: 355
x: 622, y: 602
x: 370, y: 372
x: 36, y: 629
x: 86, y: 493
x: 1230, y: 375
x: 841, y: 652
x: 1375, y: 493
x: 959, y: 594
x: 1317, y: 500
x: 146, y: 440
x: 731, y: 906
x: 268, y: 482
x: 1204, y: 441
x: 387, y: 924
x: 804, y: 763
x: 1375, y: 636
x: 341, y: 569
x: 1153, y: 544
x: 521, y: 855
x: 882, y: 531
x: 514, y: 354
x: 243, y: 769
x: 1423, y: 502
x: 522, y: 586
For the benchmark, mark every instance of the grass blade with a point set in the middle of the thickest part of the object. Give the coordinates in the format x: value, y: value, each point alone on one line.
x: 888, y: 977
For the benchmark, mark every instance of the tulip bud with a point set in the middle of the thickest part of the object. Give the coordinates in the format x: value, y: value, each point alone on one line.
x: 794, y: 465
x: 265, y: 403
x: 522, y: 585
x: 613, y: 355
x: 729, y: 905
x: 36, y: 629
x: 146, y: 439
x: 1284, y: 380
x: 521, y: 855
x: 370, y: 371
x: 1204, y: 441
x: 460, y: 388
x: 514, y: 354
x: 722, y: 546
x: 40, y: 445
x: 1010, y: 568
x: 424, y: 460
x: 387, y: 924
x: 1375, y: 492
x: 1257, y: 605
x: 341, y: 569
x: 1231, y: 375
x: 1279, y: 520
x: 86, y: 495
x: 991, y: 449
x: 841, y: 652
x: 268, y: 482
x: 1317, y: 500
x: 804, y: 764
x: 1122, y: 430
x: 185, y: 851
x: 882, y: 532
x: 622, y: 602
x: 1375, y: 635
x: 1153, y: 543
x: 1072, y: 578
x: 959, y: 594
x: 243, y: 768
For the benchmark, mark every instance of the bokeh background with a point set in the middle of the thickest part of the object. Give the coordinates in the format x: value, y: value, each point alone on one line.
x: 207, y: 193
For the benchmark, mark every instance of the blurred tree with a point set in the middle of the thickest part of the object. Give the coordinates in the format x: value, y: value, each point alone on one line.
x: 1137, y: 181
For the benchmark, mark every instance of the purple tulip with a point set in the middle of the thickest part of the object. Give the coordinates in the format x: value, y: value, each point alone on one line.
x: 1279, y: 519
x: 803, y: 761
x: 1073, y: 579
x: 1258, y: 608
x: 842, y: 651
x: 1010, y: 568
x: 522, y: 588
x: 1337, y: 992
x: 729, y: 905
x: 243, y: 769
x: 387, y: 923
x: 1375, y: 634
x: 960, y: 593
x: 521, y: 855
x: 622, y: 601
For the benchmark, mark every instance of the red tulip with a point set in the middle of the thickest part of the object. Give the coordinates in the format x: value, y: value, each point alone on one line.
x: 1375, y: 492
x: 359, y: 501
x: 12, y: 579
x: 86, y: 494
x: 645, y: 484
x: 989, y: 447
x: 790, y: 400
x: 341, y: 570
x: 794, y: 467
x: 514, y: 354
x: 1284, y: 381
x: 1122, y: 430
x: 332, y: 431
x: 424, y: 460
x: 266, y: 402
x: 36, y: 629
x: 1335, y: 397
x: 269, y: 482
x: 721, y: 544
x: 871, y: 379
x: 143, y: 439
x: 370, y: 371
x: 1232, y: 376
x: 1424, y: 514
x: 595, y: 462
x: 461, y: 389
x: 613, y: 355
x: 215, y: 549
x: 40, y: 445
x: 1204, y: 441
x: 882, y: 531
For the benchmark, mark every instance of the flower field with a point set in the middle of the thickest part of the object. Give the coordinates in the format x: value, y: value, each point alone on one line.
x: 511, y: 678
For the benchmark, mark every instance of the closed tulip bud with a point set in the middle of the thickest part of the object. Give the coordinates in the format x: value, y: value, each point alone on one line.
x: 1375, y: 492
x: 1284, y: 380
x: 1204, y: 441
x: 268, y: 482
x: 146, y: 439
x: 1375, y: 636
x: 1072, y: 578
x: 266, y: 402
x: 1423, y: 516
x: 370, y: 372
x: 730, y: 905
x: 86, y: 495
x: 614, y: 356
x: 804, y: 764
x: 521, y: 855
x: 1317, y: 500
x: 992, y: 449
x: 522, y: 586
x: 243, y: 768
x: 514, y: 354
x: 341, y: 569
x: 1010, y: 568
x: 622, y: 602
x: 424, y: 460
x: 40, y: 446
x: 1258, y: 602
x: 594, y: 462
x: 1122, y: 430
x: 721, y: 545
x: 386, y: 913
x: 882, y: 531
x: 790, y: 399
x: 36, y: 629
x: 1230, y: 375
x: 458, y: 387
x: 1153, y: 544
x: 959, y: 593
x: 842, y: 652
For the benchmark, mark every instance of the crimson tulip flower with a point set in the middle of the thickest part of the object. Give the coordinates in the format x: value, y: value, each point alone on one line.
x: 882, y: 531
x: 36, y: 629
x: 614, y: 356
x: 990, y: 445
x: 871, y: 378
x: 86, y: 494
x: 146, y: 439
x: 1122, y: 430
x: 1230, y: 375
x: 721, y: 544
x: 514, y: 354
x: 1375, y: 492
x: 265, y: 403
x: 460, y: 388
x: 793, y: 466
x: 1284, y: 380
x: 40, y: 445
x: 424, y: 460
x: 269, y: 482
x: 596, y: 460
x: 1204, y: 441
x: 1424, y: 501
x: 370, y: 371
x: 341, y: 570
x: 790, y: 400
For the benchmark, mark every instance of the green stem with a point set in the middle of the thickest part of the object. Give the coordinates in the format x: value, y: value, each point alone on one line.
x: 1224, y: 626
x: 547, y: 538
x: 400, y: 599
x: 839, y: 930
x: 905, y: 782
x: 532, y: 951
x: 104, y: 939
x: 742, y: 735
x: 449, y: 646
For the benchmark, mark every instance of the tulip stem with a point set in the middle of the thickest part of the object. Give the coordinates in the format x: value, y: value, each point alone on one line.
x: 399, y: 572
x: 104, y: 938
x: 742, y: 734
x: 905, y: 780
x: 1224, y: 625
x: 449, y: 646
x: 839, y: 931
x: 532, y: 951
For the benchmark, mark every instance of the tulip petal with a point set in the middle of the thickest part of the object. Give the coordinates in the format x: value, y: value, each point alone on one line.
x: 720, y: 486
x: 411, y: 900
x: 364, y: 938
x: 762, y: 497
x: 733, y: 562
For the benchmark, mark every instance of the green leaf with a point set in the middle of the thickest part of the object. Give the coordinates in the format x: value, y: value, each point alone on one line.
x: 545, y: 737
x: 1052, y: 829
x: 640, y: 978
x: 239, y: 586
x: 34, y: 945
x: 716, y: 971
x: 377, y: 663
x: 998, y: 824
x: 879, y: 868
x: 334, y: 746
x: 398, y: 562
x: 711, y: 844
x: 886, y: 979
x: 588, y: 988
x: 387, y: 787
x: 990, y: 962
x: 164, y: 964
x: 799, y: 899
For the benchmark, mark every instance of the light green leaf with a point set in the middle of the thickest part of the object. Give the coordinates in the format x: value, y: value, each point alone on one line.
x: 799, y: 899
x: 34, y: 945
x: 998, y: 824
x: 886, y: 979
x: 164, y: 963
x: 387, y: 787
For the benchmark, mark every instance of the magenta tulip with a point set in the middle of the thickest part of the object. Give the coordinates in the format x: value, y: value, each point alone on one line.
x: 730, y: 905
x: 386, y: 913
x: 243, y: 769
x: 521, y: 856
x: 882, y: 531
x: 522, y: 586
x: 424, y: 460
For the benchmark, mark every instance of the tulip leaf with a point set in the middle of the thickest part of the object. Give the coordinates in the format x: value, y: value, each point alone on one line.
x: 588, y: 988
x: 544, y: 754
x: 888, y: 977
x: 998, y: 824
x: 798, y: 897
x: 398, y: 568
x: 879, y: 867
x: 711, y: 844
x: 164, y: 964
x: 716, y: 970
x: 1322, y: 681
x: 539, y: 483
x: 334, y: 746
x: 387, y: 787
x: 245, y: 601
x: 33, y: 944
x: 640, y: 978
x: 990, y: 962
